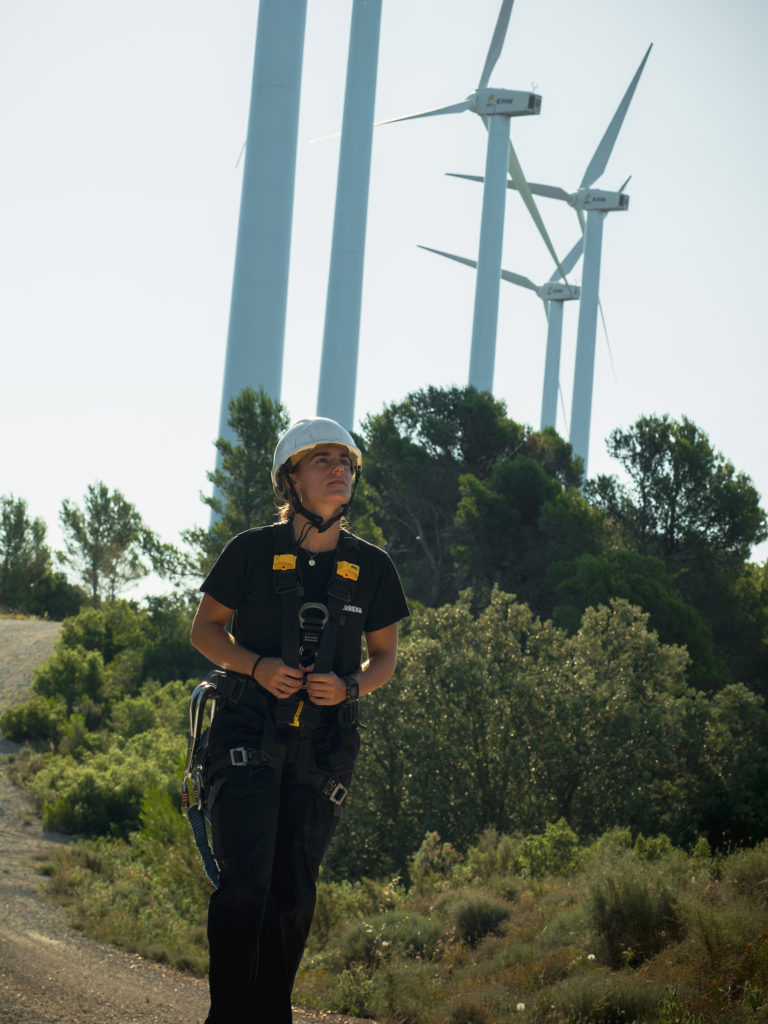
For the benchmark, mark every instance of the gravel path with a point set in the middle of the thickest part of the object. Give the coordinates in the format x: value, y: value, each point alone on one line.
x: 49, y: 972
x: 24, y: 643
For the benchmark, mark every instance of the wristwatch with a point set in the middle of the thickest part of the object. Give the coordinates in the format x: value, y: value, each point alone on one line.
x: 353, y: 689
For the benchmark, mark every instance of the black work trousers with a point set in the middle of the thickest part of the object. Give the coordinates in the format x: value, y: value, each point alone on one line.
x: 270, y: 834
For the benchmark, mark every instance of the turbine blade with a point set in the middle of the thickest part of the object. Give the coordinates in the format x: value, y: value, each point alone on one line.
x: 604, y: 150
x: 582, y: 220
x: 605, y: 329
x: 621, y: 189
x: 241, y: 154
x: 546, y: 309
x: 548, y: 191
x: 507, y: 275
x: 571, y: 259
x: 562, y: 406
x: 497, y: 42
x: 450, y: 256
x: 518, y: 279
x: 468, y: 177
x: 335, y: 135
x: 455, y: 108
x: 518, y: 177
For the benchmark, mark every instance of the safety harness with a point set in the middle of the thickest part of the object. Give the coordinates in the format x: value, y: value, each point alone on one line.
x: 309, y: 634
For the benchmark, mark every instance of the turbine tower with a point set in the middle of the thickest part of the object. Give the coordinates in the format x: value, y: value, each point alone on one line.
x: 553, y: 295
x: 496, y: 107
x: 260, y: 285
x: 338, y: 367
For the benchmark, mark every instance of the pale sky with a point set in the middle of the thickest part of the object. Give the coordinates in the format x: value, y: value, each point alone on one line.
x: 121, y: 126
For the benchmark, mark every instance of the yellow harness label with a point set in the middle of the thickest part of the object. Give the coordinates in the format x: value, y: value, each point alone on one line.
x: 284, y: 562
x: 348, y: 570
x: 296, y: 721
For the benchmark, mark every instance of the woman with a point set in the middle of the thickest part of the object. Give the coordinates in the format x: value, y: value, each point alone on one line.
x: 283, y: 741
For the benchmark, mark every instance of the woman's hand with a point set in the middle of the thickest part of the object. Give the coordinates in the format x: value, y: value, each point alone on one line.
x: 326, y: 688
x: 277, y: 677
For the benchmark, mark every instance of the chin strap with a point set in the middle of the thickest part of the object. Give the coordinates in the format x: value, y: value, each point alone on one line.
x: 313, y: 519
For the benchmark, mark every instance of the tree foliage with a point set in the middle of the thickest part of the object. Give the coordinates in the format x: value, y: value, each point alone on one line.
x: 28, y: 582
x: 682, y: 495
x: 499, y: 720
x: 685, y: 503
x: 417, y: 453
x: 104, y: 542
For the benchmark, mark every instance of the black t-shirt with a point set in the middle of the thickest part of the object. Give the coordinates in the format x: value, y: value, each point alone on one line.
x: 242, y: 579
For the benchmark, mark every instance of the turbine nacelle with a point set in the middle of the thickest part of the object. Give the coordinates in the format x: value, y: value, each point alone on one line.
x: 555, y: 291
x: 509, y: 102
x: 597, y: 199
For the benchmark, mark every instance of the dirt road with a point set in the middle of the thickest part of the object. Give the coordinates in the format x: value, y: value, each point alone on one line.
x: 49, y: 972
x: 24, y: 643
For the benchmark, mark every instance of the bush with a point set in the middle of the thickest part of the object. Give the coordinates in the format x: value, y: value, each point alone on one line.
x: 478, y: 916
x: 603, y: 998
x: 747, y: 870
x: 39, y: 718
x: 432, y: 864
x: 553, y: 853
x: 102, y: 794
x: 73, y: 674
x: 633, y: 913
x: 408, y: 935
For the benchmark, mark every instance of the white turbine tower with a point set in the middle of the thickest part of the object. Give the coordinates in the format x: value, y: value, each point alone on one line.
x: 553, y: 296
x: 596, y: 203
x: 338, y: 367
x: 496, y: 107
x: 260, y: 284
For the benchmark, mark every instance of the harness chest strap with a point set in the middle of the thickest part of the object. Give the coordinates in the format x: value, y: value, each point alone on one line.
x: 288, y: 584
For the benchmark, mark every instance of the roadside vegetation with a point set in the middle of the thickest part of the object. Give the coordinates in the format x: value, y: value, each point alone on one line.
x: 584, y: 667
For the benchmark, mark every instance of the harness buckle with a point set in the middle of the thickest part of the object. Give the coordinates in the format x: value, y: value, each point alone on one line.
x: 332, y: 789
x: 243, y: 763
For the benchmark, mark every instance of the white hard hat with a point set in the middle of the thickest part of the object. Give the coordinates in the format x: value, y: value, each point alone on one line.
x: 305, y: 435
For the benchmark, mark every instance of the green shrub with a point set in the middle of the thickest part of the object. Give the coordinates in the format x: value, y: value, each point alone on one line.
x: 495, y: 854
x: 602, y: 998
x: 633, y: 913
x: 653, y: 849
x: 514, y: 953
x: 77, y: 740
x: 431, y: 866
x: 102, y: 794
x: 747, y: 870
x: 112, y: 628
x: 356, y: 992
x: 134, y: 715
x: 721, y: 932
x: 408, y: 935
x: 334, y: 906
x: 478, y: 916
x: 553, y: 853
x: 39, y: 718
x: 73, y: 674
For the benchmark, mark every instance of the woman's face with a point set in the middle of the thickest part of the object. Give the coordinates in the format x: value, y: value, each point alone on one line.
x: 324, y: 478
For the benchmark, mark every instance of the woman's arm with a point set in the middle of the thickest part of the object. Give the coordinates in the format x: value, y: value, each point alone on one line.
x: 211, y: 638
x: 328, y: 688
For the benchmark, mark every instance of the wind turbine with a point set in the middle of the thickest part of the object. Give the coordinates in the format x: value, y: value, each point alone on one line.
x: 496, y: 107
x: 596, y: 203
x: 338, y: 366
x: 260, y: 284
x: 553, y: 295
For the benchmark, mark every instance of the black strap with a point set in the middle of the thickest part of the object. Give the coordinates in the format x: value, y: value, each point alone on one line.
x: 288, y: 584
